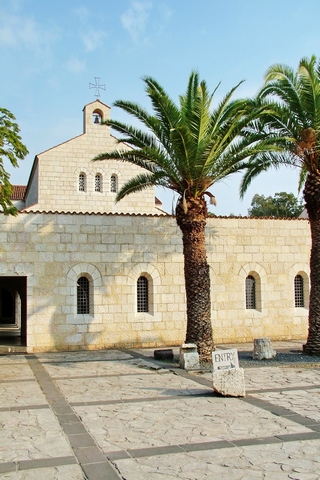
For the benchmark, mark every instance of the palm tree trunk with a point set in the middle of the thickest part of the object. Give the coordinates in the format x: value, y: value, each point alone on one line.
x: 312, y: 198
x: 197, y: 277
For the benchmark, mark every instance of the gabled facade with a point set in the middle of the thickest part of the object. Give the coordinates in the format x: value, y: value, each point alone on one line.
x: 64, y: 178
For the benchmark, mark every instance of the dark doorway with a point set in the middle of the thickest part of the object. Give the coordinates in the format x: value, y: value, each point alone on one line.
x: 13, y: 310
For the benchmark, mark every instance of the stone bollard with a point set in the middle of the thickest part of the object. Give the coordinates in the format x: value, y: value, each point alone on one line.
x: 227, y: 377
x: 229, y: 383
x: 262, y: 349
x: 189, y: 357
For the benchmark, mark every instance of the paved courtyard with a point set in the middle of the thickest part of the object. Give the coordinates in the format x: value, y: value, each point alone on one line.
x: 119, y: 414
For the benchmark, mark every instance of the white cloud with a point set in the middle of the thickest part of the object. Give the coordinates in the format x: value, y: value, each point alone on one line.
x: 74, y: 65
x: 134, y: 20
x: 82, y: 13
x: 15, y: 30
x: 165, y: 11
x: 21, y: 32
x: 93, y: 39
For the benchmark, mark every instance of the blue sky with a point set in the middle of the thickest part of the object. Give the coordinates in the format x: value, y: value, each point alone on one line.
x: 51, y: 51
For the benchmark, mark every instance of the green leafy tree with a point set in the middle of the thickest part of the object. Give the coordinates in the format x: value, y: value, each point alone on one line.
x: 293, y: 128
x: 12, y: 149
x: 187, y: 148
x: 282, y: 205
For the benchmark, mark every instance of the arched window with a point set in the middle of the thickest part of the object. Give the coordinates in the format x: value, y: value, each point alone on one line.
x: 113, y: 183
x: 98, y: 183
x: 250, y: 292
x: 82, y: 182
x: 83, y: 298
x: 142, y: 294
x: 298, y: 291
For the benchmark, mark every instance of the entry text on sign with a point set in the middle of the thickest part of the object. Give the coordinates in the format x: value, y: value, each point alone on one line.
x: 225, y: 359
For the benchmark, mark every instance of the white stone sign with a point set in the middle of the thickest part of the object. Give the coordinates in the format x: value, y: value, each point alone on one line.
x: 227, y: 377
x: 225, y: 359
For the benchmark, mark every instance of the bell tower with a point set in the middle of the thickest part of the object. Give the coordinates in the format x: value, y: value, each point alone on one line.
x: 94, y: 114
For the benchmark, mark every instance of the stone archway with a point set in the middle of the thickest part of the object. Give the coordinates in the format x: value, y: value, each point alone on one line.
x: 13, y: 309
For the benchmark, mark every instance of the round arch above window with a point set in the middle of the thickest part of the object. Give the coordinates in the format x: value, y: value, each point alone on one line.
x: 299, y: 276
x: 144, y: 279
x: 90, y: 290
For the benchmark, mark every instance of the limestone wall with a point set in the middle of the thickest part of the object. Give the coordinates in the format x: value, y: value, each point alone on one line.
x: 54, y: 250
x: 54, y: 185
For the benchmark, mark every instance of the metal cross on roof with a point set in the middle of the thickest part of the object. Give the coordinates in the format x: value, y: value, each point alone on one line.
x: 97, y: 86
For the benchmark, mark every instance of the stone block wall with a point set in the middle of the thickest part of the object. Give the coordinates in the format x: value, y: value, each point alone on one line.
x: 54, y: 184
x: 53, y: 250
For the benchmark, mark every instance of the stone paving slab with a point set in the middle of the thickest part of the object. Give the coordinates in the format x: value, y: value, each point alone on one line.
x: 304, y: 402
x: 126, y: 426
x: 273, y: 378
x: 31, y: 434
x: 124, y: 387
x: 296, y: 460
x: 281, y: 377
x: 20, y: 394
x: 14, y: 371
x: 63, y: 472
x: 13, y: 360
x: 102, y: 367
x: 83, y: 356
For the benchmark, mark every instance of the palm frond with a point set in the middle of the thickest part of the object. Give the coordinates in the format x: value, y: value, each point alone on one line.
x: 143, y: 181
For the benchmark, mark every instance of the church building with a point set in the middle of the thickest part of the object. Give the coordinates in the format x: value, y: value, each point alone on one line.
x: 79, y: 271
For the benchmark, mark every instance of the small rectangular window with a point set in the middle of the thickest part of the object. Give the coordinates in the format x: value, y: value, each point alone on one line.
x: 97, y: 183
x: 250, y: 292
x: 82, y: 182
x: 298, y: 292
x: 113, y: 184
x: 142, y: 295
x: 83, y: 305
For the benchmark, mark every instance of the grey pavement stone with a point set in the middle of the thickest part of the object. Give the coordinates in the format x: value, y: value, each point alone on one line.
x: 194, y: 447
x: 90, y: 454
x: 74, y: 428
x: 67, y: 418
x: 46, y: 462
x: 299, y: 436
x: 100, y: 471
x: 154, y: 451
x: 81, y: 440
x: 8, y: 467
x: 117, y: 455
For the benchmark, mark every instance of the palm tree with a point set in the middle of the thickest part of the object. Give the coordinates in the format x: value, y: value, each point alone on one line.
x: 187, y: 148
x: 294, y: 127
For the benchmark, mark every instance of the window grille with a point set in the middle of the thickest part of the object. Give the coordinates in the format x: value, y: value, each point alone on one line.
x: 250, y: 292
x: 298, y: 291
x: 113, y: 183
x: 142, y: 295
x: 82, y: 182
x: 97, y: 183
x: 83, y: 305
